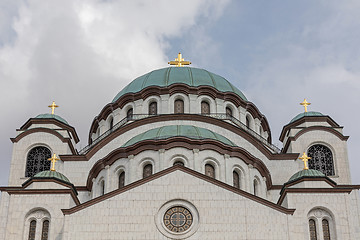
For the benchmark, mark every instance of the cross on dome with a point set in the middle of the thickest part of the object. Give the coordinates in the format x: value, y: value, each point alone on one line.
x: 53, y: 160
x: 179, y: 61
x: 53, y: 106
x: 305, y: 104
x: 305, y: 159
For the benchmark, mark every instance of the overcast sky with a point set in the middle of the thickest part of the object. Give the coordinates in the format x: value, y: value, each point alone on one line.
x: 81, y: 53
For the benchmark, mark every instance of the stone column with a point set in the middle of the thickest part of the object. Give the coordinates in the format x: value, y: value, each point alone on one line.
x: 108, y: 182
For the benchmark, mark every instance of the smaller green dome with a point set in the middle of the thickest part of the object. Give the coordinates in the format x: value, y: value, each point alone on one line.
x: 178, y: 131
x: 52, y: 174
x: 54, y: 116
x: 306, y: 173
x: 306, y: 114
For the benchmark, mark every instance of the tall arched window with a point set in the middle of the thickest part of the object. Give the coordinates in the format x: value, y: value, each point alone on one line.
x: 37, y: 161
x: 102, y: 187
x: 228, y: 112
x: 153, y: 108
x: 236, y: 179
x: 256, y: 187
x: 205, y: 107
x: 45, y: 230
x: 312, y: 229
x: 179, y: 106
x: 122, y: 180
x: 111, y: 123
x: 32, y: 230
x: 129, y: 114
x: 321, y: 159
x: 210, y: 170
x: 326, y: 229
x: 248, y: 121
x: 147, y: 171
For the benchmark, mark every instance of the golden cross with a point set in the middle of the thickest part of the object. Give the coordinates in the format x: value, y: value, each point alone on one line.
x: 53, y: 106
x: 305, y: 104
x: 179, y: 61
x: 305, y: 159
x: 53, y: 161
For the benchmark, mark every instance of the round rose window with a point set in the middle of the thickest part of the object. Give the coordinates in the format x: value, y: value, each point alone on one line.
x: 178, y: 219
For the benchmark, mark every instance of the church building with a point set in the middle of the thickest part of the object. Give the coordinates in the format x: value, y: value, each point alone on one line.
x: 180, y: 153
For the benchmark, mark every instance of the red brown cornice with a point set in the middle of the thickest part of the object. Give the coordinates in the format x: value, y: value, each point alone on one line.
x: 302, y: 120
x: 185, y: 89
x: 51, y: 121
x: 170, y: 170
x: 27, y: 132
x: 313, y: 128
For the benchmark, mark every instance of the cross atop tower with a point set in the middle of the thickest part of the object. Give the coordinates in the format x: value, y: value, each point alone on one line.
x: 305, y: 104
x: 53, y: 160
x: 179, y: 61
x: 305, y: 159
x: 53, y: 106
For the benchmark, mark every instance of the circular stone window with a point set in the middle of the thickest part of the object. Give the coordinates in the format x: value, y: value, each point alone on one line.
x: 177, y: 219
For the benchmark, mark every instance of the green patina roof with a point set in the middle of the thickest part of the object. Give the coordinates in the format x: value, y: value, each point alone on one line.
x: 193, y: 77
x: 52, y: 174
x: 306, y: 114
x: 177, y: 131
x: 54, y: 116
x: 306, y: 173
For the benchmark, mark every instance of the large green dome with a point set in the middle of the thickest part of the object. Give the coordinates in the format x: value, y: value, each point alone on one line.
x: 54, y: 116
x: 178, y: 131
x: 192, y: 77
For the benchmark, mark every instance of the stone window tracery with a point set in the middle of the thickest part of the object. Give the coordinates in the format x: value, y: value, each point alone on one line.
x: 321, y: 159
x: 147, y: 171
x: 37, y: 161
x: 122, y: 180
x: 210, y: 170
x: 205, y: 107
x: 179, y: 106
x: 153, y: 108
x: 178, y: 219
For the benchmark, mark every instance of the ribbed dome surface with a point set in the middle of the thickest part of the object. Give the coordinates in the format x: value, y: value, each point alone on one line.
x: 52, y: 174
x: 306, y: 173
x: 192, y: 77
x: 306, y: 114
x: 178, y: 131
x: 54, y: 116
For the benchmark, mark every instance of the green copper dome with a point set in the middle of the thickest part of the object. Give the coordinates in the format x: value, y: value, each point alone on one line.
x: 178, y: 131
x: 192, y: 77
x: 54, y: 116
x: 306, y: 114
x: 306, y: 173
x: 52, y: 174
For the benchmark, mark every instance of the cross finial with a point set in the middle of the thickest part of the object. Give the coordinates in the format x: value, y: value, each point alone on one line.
x: 53, y: 106
x: 179, y: 61
x: 53, y: 161
x: 305, y: 104
x: 305, y: 159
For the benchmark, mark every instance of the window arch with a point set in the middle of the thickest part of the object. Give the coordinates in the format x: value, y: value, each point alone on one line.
x: 326, y: 229
x: 312, y: 229
x: 37, y: 161
x: 178, y: 163
x: 45, y: 230
x: 37, y: 225
x: 111, y: 123
x: 205, y: 107
x: 321, y: 159
x: 229, y: 112
x: 148, y: 170
x: 248, y: 121
x: 32, y: 230
x: 102, y: 187
x: 256, y: 186
x: 153, y: 108
x: 321, y: 224
x: 121, y: 179
x: 130, y: 114
x: 236, y: 179
x: 179, y: 106
x: 209, y: 170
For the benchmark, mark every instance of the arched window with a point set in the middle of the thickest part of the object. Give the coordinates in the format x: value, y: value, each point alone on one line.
x: 228, y: 112
x: 147, y: 171
x: 102, y: 187
x: 129, y: 114
x: 256, y: 187
x: 153, y: 108
x: 321, y: 159
x: 178, y: 163
x: 205, y: 107
x: 37, y: 161
x: 236, y: 179
x: 326, y: 229
x: 32, y: 230
x: 111, y: 123
x: 122, y: 180
x: 179, y: 106
x: 210, y: 170
x: 312, y: 229
x: 248, y: 121
x: 45, y: 230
